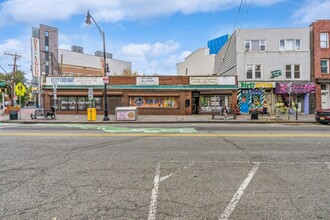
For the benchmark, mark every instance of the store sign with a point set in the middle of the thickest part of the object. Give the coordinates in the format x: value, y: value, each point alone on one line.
x: 256, y: 85
x: 276, y: 73
x: 226, y: 80
x: 35, y: 56
x: 283, y: 88
x: 203, y: 80
x: 147, y: 81
x: 74, y: 81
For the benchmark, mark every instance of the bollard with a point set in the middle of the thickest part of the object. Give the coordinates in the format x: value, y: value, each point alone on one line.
x: 89, y: 114
x: 93, y: 114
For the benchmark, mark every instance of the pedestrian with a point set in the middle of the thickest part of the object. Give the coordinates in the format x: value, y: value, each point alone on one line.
x: 224, y: 112
x: 265, y: 109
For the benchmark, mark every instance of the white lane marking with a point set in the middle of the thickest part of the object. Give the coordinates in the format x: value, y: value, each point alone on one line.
x: 328, y: 163
x: 171, y: 174
x: 230, y: 208
x: 154, y: 194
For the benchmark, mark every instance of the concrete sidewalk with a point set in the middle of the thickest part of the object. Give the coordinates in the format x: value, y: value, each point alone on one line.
x: 24, y: 117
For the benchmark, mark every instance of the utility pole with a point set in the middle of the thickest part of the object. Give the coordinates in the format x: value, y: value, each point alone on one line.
x: 15, y: 57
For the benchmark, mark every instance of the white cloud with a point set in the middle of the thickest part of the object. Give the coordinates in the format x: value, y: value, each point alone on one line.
x: 19, y: 47
x: 150, y: 50
x: 111, y: 11
x: 312, y: 10
x: 157, y: 57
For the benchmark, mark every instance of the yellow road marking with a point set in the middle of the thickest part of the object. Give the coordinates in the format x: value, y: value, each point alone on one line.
x: 259, y: 135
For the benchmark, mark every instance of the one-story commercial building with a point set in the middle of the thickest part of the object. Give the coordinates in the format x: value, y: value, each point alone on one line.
x: 157, y: 95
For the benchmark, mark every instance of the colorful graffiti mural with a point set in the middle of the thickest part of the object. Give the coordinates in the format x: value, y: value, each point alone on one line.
x: 283, y: 88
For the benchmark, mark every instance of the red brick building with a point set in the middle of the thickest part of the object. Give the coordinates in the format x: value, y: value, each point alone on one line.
x: 320, y: 31
x: 156, y: 95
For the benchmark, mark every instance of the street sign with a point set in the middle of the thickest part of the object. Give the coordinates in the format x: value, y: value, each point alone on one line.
x: 20, y: 89
x: 2, y: 84
x: 105, y: 79
x: 276, y: 73
x: 90, y: 93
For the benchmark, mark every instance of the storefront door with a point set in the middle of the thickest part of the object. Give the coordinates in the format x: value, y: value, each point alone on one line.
x: 324, y: 99
x: 195, y: 105
x: 245, y: 102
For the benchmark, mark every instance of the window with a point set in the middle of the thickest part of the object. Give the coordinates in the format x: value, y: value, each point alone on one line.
x: 290, y: 45
x: 247, y: 45
x: 249, y: 74
x: 324, y: 40
x: 253, y: 71
x: 323, y: 86
x: 288, y: 71
x: 254, y: 45
x: 262, y: 45
x: 298, y: 47
x: 297, y: 71
x: 257, y: 71
x: 324, y: 66
x: 282, y: 45
x: 292, y: 71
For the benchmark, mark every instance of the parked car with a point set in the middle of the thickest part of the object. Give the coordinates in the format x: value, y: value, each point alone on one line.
x: 323, y: 116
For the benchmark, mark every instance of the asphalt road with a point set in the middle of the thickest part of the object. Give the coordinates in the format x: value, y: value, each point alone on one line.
x: 188, y: 171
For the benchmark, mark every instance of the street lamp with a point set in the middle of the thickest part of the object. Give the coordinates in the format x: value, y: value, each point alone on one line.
x: 88, y: 22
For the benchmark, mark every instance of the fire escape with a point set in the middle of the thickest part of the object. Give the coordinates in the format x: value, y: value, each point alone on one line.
x: 55, y: 66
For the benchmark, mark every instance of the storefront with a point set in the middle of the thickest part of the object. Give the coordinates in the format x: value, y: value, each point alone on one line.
x: 253, y: 94
x: 160, y: 95
x: 213, y: 93
x: 301, y: 93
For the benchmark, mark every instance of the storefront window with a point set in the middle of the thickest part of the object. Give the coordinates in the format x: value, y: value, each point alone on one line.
x: 155, y: 102
x: 77, y: 103
x: 83, y: 104
x: 98, y: 103
x: 214, y: 102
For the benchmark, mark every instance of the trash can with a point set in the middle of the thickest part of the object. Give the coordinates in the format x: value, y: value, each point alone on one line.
x: 254, y: 115
x: 13, y: 115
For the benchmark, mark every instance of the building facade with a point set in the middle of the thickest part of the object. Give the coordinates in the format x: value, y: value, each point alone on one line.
x: 159, y: 95
x: 320, y: 31
x: 200, y: 62
x: 48, y: 44
x: 269, y: 63
x: 76, y: 63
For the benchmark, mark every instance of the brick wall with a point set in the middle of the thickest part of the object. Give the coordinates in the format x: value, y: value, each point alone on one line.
x: 320, y: 26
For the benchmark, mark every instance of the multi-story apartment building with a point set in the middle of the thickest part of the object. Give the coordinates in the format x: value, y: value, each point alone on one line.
x: 320, y: 31
x: 48, y: 45
x: 269, y: 63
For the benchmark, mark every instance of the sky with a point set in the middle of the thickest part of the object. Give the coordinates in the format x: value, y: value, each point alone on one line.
x: 154, y: 35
